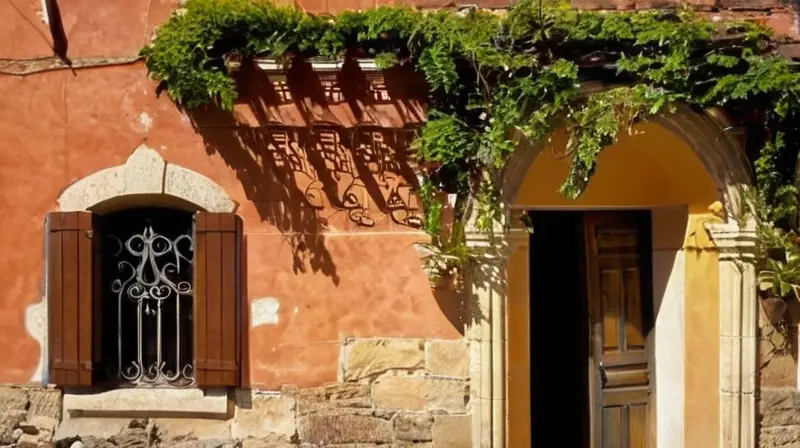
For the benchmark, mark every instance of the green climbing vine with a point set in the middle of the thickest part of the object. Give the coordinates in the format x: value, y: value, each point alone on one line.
x: 497, y: 78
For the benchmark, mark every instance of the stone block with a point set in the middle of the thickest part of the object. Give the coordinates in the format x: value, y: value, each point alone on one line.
x: 364, y: 358
x: 268, y: 417
x: 84, y: 427
x: 779, y: 437
x: 328, y: 429
x: 413, y: 428
x: 335, y: 396
x: 132, y: 438
x: 9, y: 419
x: 205, y: 443
x: 401, y: 393
x: 28, y: 441
x: 447, y: 358
x: 13, y: 399
x: 184, y: 429
x: 39, y: 424
x: 452, y: 431
x: 419, y: 393
x: 143, y: 172
x: 446, y: 395
x: 779, y: 407
x: 89, y: 442
x: 261, y: 443
x: 194, y: 187
x: 44, y: 402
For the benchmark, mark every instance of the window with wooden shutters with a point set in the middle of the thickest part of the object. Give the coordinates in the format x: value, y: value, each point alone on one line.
x: 217, y: 306
x: 146, y: 297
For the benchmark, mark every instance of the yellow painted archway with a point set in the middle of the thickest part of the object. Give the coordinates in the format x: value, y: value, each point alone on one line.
x: 676, y: 167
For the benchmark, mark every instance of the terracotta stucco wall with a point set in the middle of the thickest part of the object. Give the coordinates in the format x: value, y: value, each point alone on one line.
x: 332, y: 278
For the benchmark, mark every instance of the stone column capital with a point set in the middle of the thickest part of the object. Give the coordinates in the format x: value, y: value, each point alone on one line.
x: 507, y: 235
x: 734, y: 241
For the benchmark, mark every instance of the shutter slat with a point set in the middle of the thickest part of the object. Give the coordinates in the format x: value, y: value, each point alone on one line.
x: 70, y: 292
x: 229, y: 333
x: 214, y: 296
x: 97, y: 291
x: 199, y: 308
x: 70, y: 322
x: 217, y: 299
x: 55, y: 299
x: 85, y: 315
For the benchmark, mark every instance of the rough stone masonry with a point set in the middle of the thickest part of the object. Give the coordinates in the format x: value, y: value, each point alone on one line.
x: 393, y: 393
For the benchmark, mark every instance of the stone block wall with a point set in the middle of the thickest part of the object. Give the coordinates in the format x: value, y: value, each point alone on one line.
x: 391, y: 393
x: 779, y: 401
x: 779, y: 422
x: 28, y: 416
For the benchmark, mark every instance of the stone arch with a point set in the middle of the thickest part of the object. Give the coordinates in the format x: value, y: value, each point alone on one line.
x: 718, y: 151
x: 505, y: 255
x: 146, y: 177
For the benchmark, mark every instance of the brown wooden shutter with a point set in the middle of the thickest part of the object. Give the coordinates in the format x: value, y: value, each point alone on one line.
x: 217, y: 301
x: 70, y: 285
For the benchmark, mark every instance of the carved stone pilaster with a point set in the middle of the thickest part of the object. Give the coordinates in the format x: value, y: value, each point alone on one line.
x: 488, y: 298
x: 738, y: 316
x: 487, y: 294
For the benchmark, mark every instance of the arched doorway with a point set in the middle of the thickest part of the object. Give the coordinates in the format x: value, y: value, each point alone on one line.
x: 671, y: 171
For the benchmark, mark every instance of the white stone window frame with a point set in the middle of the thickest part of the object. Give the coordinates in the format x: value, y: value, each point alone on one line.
x: 144, y: 179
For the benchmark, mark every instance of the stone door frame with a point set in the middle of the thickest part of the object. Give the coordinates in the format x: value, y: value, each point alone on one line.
x: 734, y: 238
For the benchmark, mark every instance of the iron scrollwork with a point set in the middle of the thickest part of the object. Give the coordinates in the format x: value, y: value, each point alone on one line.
x: 154, y: 273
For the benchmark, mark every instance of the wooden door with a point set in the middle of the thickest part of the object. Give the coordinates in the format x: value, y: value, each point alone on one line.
x: 618, y: 280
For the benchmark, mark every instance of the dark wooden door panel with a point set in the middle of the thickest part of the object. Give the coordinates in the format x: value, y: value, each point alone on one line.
x: 625, y: 426
x: 618, y: 263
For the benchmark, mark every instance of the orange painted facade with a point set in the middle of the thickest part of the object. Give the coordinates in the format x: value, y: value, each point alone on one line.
x: 335, y: 274
x: 332, y: 277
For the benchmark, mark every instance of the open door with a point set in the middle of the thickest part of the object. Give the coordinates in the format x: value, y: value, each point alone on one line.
x: 618, y: 279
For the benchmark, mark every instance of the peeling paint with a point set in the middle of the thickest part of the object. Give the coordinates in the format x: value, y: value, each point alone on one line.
x: 264, y: 311
x: 36, y: 326
x: 146, y: 121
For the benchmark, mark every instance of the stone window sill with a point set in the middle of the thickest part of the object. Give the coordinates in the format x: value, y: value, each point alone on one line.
x: 147, y: 403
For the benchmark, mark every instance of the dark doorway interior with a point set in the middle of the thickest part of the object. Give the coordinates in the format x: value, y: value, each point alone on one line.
x: 559, y: 327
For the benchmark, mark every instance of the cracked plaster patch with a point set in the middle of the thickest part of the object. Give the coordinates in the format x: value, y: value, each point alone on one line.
x: 264, y: 311
x: 146, y: 121
x: 36, y: 326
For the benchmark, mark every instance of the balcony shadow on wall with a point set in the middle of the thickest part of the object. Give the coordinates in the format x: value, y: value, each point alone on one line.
x: 297, y: 154
x: 274, y: 193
